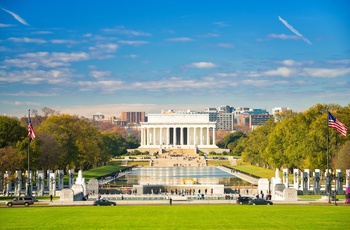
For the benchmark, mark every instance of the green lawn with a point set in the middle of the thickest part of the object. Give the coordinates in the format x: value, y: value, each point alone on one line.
x: 102, y: 171
x: 177, y: 217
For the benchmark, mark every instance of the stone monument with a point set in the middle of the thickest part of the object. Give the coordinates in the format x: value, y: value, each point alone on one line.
x: 70, y: 178
x: 277, y: 187
x: 18, y: 183
x: 81, y: 181
x: 296, y: 178
x: 328, y: 181
x: 7, y: 183
x: 317, y: 182
x: 60, y: 175
x: 52, y: 188
x: 305, y: 181
x: 40, y: 183
x: 339, y: 182
x: 285, y: 178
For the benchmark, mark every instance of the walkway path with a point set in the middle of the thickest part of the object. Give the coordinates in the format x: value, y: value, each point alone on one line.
x: 242, y: 176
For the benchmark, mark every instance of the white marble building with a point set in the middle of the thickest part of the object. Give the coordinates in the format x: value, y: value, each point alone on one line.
x: 178, y: 131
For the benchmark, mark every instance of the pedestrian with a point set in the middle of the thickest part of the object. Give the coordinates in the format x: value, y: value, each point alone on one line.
x: 51, y: 198
x: 171, y: 201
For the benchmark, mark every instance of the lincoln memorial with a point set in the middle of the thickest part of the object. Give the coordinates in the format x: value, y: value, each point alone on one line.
x: 178, y: 131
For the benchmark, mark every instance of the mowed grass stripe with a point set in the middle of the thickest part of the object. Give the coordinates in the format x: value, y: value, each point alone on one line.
x: 177, y: 217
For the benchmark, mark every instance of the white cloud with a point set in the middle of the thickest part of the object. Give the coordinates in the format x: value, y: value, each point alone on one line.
x: 27, y: 40
x: 202, y: 65
x: 291, y: 28
x: 100, y: 74
x: 5, y: 25
x: 17, y: 17
x: 42, y: 32
x: 133, y: 43
x: 62, y: 41
x: 122, y: 30
x: 180, y: 39
x: 30, y: 94
x: 18, y: 103
x: 325, y: 72
x: 57, y: 76
x: 284, y: 36
x: 281, y: 71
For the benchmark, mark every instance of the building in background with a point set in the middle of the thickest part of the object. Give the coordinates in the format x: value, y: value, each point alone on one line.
x: 133, y: 117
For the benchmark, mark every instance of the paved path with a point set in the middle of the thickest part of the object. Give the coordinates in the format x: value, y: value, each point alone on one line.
x: 242, y: 176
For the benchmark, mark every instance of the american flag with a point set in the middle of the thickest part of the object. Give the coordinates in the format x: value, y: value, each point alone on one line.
x: 31, y: 132
x: 336, y: 124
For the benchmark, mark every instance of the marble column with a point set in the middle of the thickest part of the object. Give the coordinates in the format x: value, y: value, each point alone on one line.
x: 70, y: 178
x: 285, y: 178
x: 52, y: 188
x: 60, y: 175
x: 296, y: 178
x: 29, y: 182
x: 40, y: 182
x: 339, y: 182
x: 317, y: 182
x: 18, y: 183
x: 328, y: 181
x: 7, y: 183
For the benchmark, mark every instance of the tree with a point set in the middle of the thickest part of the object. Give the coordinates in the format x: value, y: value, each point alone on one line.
x: 342, y: 159
x: 11, y: 131
x: 11, y: 159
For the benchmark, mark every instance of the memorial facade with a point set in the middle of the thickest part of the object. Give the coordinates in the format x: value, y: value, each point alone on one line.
x: 178, y: 131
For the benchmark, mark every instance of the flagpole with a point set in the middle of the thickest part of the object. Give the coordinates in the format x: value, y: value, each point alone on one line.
x: 328, y: 181
x: 28, y: 184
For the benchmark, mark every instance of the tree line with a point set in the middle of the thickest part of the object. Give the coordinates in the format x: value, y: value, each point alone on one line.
x: 62, y: 142
x: 298, y: 140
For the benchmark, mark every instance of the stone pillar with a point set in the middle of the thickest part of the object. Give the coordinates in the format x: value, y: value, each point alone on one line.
x: 339, y: 182
x: 142, y: 140
x: 40, y: 182
x: 195, y: 137
x: 154, y: 139
x: 181, y: 136
x: 52, y: 188
x: 174, y: 135
x: 168, y: 136
x: 81, y: 181
x: 214, y: 136
x: 60, y: 175
x: 29, y: 182
x: 317, y: 182
x: 161, y: 136
x: 305, y: 182
x: 18, y: 183
x: 7, y: 183
x: 48, y: 179
x: 201, y: 136
x: 285, y: 178
x: 348, y: 178
x: 188, y: 136
x: 70, y: 178
x: 296, y: 178
x: 208, y: 136
x: 148, y: 134
x: 328, y: 181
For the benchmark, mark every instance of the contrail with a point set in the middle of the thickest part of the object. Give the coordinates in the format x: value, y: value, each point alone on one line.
x: 294, y: 30
x: 18, y: 18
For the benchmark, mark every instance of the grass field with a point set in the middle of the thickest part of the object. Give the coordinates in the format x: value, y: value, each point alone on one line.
x: 177, y: 217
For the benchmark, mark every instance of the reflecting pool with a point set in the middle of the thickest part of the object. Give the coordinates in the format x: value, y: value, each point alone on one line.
x: 181, y: 175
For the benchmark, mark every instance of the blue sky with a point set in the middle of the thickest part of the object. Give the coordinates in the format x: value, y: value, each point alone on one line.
x: 83, y: 57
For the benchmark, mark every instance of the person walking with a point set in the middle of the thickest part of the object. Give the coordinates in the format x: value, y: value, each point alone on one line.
x: 51, y: 198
